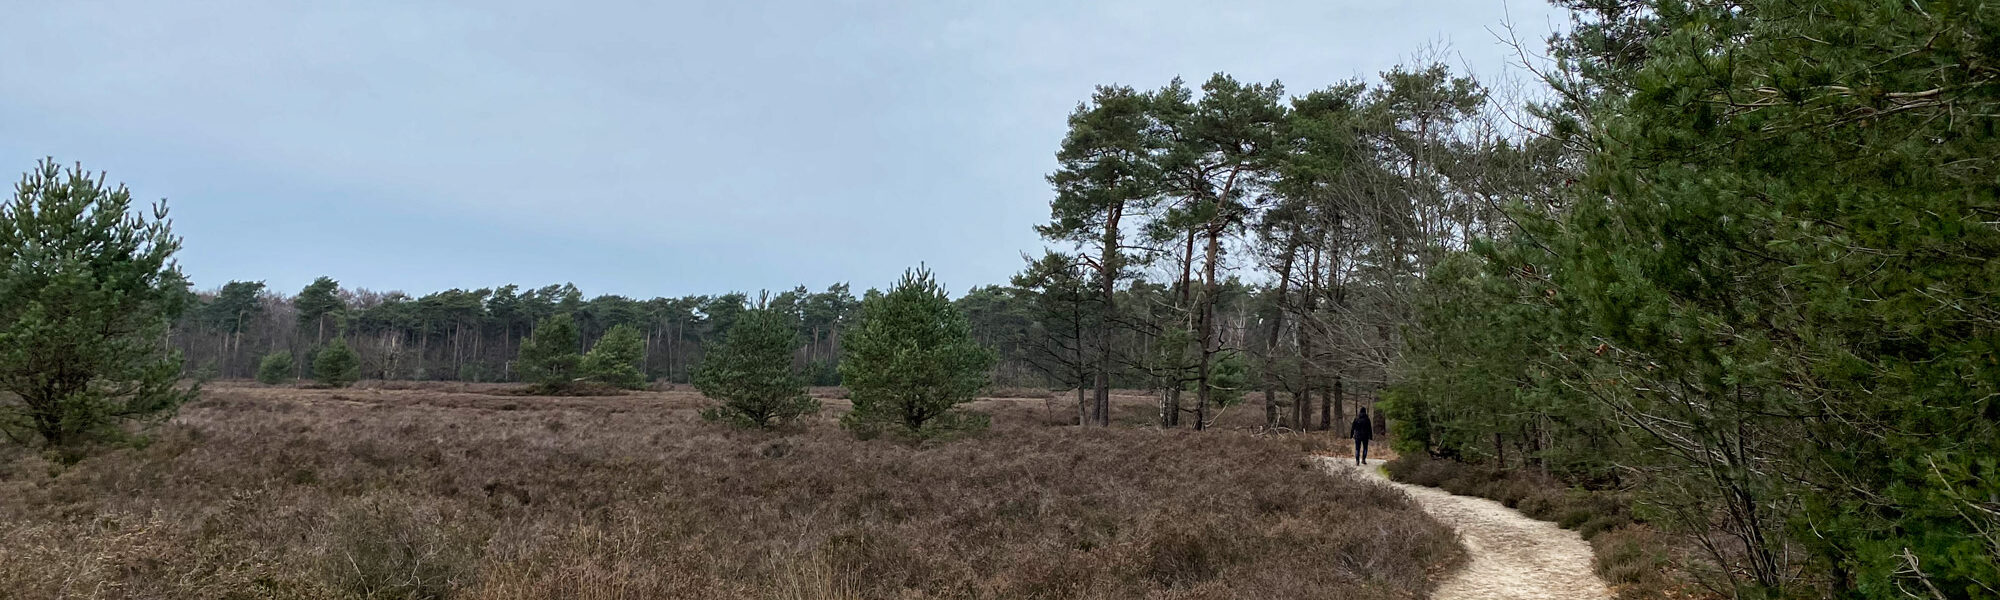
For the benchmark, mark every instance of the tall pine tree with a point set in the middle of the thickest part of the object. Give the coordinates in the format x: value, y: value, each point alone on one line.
x: 317, y: 304
x: 1107, y: 175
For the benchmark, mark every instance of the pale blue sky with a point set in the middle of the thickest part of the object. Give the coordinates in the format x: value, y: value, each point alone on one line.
x: 637, y: 148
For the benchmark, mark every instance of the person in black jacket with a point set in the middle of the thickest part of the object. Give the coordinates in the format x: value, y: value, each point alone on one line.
x: 1364, y: 430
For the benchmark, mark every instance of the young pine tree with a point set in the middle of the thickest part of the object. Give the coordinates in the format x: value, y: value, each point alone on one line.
x: 614, y: 360
x: 337, y: 365
x: 911, y: 361
x: 1229, y: 378
x: 549, y: 357
x: 88, y: 287
x: 750, y: 373
x: 275, y: 368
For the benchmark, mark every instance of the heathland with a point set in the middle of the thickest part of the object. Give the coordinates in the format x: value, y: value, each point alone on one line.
x: 400, y: 490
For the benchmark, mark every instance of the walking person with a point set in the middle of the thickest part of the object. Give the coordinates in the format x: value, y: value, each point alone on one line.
x: 1364, y: 430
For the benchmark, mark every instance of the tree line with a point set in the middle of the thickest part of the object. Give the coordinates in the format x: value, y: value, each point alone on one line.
x: 478, y: 335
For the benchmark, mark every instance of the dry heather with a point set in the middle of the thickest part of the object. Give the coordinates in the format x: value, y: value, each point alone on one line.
x: 464, y: 492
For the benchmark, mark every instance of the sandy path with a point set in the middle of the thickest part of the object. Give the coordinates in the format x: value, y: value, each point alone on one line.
x: 1511, y: 556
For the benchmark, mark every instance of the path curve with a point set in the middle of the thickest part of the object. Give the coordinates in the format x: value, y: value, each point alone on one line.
x: 1510, y: 556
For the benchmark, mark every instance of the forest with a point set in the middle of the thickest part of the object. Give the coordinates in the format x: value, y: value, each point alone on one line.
x: 1732, y: 263
x: 476, y: 335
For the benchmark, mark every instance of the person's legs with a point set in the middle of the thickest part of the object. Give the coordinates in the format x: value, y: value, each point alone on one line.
x: 1364, y: 451
x: 1360, y: 451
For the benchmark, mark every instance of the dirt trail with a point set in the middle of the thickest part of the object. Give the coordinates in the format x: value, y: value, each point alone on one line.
x: 1511, y: 556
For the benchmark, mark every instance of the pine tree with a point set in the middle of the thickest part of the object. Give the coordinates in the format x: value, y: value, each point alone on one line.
x: 233, y: 311
x: 1064, y: 320
x: 1107, y: 176
x: 911, y: 361
x: 1788, y: 246
x: 614, y: 360
x: 275, y: 368
x: 750, y: 373
x: 1228, y: 378
x: 88, y: 288
x: 1767, y: 305
x: 549, y: 357
x: 337, y: 365
x: 1218, y: 153
x: 318, y: 301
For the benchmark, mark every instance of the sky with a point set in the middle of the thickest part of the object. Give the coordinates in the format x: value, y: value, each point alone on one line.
x: 641, y: 148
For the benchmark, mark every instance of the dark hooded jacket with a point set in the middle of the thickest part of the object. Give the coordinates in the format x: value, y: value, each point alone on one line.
x: 1363, y: 430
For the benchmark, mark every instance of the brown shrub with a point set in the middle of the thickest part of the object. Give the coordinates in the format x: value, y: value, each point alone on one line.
x: 428, y: 493
x: 391, y: 546
x: 1020, y: 392
x: 1533, y: 494
x: 1640, y: 563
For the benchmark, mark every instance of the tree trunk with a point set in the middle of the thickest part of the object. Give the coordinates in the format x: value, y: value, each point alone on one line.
x: 1207, y: 335
x: 1339, y: 400
x: 1083, y: 407
x: 1172, y: 415
x: 1082, y: 417
x: 1326, y: 409
x: 1107, y: 267
x: 1308, y: 342
x: 1270, y: 404
x: 1277, y: 328
x: 1300, y: 405
x: 1187, y: 271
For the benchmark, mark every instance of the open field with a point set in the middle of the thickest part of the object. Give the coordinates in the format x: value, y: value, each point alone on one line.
x: 465, y: 491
